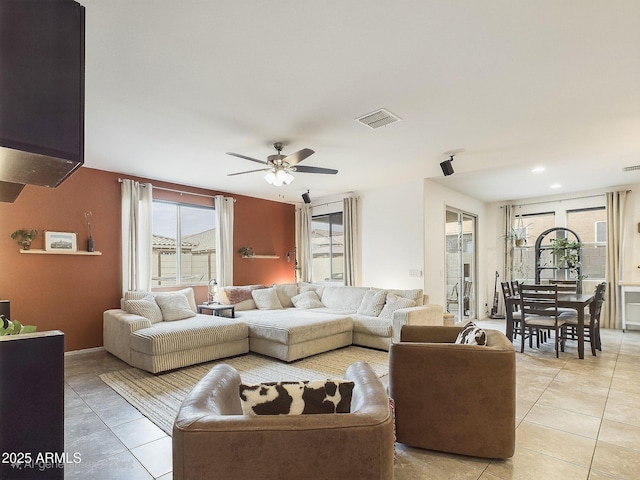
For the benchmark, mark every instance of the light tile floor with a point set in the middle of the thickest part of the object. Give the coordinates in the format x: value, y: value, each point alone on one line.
x: 576, y: 419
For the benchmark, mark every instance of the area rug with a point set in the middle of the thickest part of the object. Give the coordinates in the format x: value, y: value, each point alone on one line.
x: 158, y: 397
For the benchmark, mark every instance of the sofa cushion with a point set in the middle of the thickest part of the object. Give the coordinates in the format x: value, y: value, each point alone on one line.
x: 379, y: 327
x: 471, y: 334
x: 174, y: 307
x: 310, y: 287
x: 266, y: 299
x: 183, y: 335
x: 285, y: 292
x: 372, y: 303
x: 417, y: 295
x: 297, y: 398
x: 343, y: 297
x: 145, y: 307
x: 308, y: 299
x: 187, y: 292
x: 394, y: 302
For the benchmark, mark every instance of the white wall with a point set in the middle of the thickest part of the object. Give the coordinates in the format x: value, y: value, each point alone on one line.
x: 392, y: 226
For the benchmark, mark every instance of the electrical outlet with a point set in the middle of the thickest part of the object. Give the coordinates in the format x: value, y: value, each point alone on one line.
x: 414, y: 272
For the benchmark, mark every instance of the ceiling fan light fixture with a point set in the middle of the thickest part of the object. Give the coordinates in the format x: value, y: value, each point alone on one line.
x: 270, y: 177
x: 288, y: 178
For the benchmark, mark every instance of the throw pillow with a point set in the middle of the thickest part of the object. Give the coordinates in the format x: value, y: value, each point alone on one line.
x: 235, y: 295
x: 471, y: 334
x: 297, y: 398
x: 174, y: 307
x: 285, y: 292
x: 266, y: 299
x: 145, y: 307
x: 372, y: 303
x: 394, y: 302
x: 307, y: 299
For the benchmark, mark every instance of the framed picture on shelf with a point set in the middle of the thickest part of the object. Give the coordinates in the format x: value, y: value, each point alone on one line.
x: 60, y: 241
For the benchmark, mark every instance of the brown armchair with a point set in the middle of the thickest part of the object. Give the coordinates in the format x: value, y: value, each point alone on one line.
x: 454, y: 398
x: 213, y: 439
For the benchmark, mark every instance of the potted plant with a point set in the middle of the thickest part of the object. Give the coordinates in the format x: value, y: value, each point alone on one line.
x: 246, y: 252
x: 24, y: 237
x: 519, y: 236
x: 14, y: 327
x: 567, y: 255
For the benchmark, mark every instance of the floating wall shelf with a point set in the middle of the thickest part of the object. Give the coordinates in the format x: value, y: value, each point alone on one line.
x: 260, y: 256
x: 57, y: 252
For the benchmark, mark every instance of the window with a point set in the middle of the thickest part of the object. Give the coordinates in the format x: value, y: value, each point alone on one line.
x: 591, y: 226
x: 183, y: 244
x: 524, y: 262
x: 327, y: 248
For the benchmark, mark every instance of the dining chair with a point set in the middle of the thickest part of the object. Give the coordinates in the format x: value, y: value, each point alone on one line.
x: 512, y: 313
x: 539, y: 310
x: 565, y: 286
x: 591, y: 322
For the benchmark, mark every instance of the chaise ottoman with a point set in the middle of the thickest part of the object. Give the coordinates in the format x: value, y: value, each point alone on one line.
x: 291, y: 335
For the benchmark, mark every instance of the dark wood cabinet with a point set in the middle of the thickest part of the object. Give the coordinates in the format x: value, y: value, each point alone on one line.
x: 42, y: 67
x: 32, y: 406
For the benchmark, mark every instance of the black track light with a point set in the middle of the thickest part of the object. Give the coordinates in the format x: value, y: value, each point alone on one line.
x: 306, y: 197
x: 447, y: 167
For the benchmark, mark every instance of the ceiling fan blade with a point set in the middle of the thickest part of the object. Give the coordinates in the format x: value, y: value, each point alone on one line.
x: 248, y: 171
x: 309, y: 169
x: 298, y: 156
x: 246, y: 158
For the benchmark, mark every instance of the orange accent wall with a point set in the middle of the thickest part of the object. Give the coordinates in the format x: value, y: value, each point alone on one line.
x: 69, y: 293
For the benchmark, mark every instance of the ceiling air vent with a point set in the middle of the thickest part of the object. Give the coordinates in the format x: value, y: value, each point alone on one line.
x: 379, y: 118
x: 631, y: 168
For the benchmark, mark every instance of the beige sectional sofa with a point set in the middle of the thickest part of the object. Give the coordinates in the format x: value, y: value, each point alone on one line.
x: 285, y: 321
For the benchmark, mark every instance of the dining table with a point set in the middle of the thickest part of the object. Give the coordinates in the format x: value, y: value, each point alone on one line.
x: 575, y: 301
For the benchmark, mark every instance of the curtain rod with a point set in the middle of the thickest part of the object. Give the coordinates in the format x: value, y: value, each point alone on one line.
x: 326, y: 204
x: 560, y: 200
x: 181, y: 192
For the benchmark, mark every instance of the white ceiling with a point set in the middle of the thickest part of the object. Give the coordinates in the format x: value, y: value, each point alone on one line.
x: 173, y: 85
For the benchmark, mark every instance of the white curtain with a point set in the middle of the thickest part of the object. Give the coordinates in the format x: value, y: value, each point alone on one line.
x: 509, y: 220
x: 224, y: 237
x: 615, y: 202
x: 351, y: 251
x: 136, y: 235
x: 303, y: 242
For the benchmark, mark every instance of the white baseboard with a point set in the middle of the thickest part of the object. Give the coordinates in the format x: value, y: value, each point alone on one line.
x: 84, y: 350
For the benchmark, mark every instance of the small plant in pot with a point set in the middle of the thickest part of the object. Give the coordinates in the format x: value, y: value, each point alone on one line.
x: 24, y: 237
x: 246, y: 251
x: 9, y: 327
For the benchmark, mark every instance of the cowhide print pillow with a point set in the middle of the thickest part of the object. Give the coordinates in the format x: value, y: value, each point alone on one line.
x: 471, y: 334
x: 297, y: 398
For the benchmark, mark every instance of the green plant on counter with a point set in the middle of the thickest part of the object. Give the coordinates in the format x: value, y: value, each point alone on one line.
x: 14, y: 327
x: 24, y: 237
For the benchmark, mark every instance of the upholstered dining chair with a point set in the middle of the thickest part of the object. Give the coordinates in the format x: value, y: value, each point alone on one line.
x: 539, y: 310
x: 591, y: 322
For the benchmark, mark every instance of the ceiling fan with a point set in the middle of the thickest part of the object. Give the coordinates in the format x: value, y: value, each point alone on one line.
x: 280, y: 167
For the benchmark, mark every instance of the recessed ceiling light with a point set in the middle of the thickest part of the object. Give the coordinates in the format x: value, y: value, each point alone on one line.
x: 556, y: 185
x: 538, y: 170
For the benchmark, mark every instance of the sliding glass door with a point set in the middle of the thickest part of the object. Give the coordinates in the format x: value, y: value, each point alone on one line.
x: 460, y: 264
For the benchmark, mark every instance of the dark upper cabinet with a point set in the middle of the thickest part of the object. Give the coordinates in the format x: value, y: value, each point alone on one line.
x: 41, y: 91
